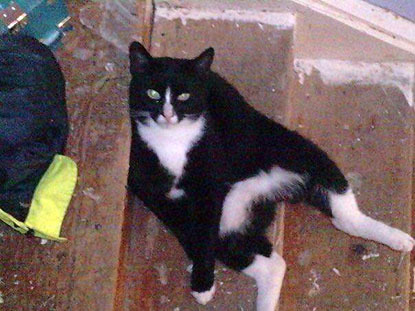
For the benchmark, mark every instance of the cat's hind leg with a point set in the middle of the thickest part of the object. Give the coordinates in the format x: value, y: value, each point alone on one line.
x: 268, y: 273
x: 347, y: 217
x: 253, y: 256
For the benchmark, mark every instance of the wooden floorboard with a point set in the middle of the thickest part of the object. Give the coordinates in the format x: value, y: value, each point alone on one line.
x: 367, y: 130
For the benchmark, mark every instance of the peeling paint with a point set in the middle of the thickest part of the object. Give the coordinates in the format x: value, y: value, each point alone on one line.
x: 371, y: 255
x: 276, y: 19
x: 337, y: 72
x: 90, y: 193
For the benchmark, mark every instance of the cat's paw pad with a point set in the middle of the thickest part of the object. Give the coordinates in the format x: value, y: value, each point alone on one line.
x: 204, y: 297
x: 401, y: 241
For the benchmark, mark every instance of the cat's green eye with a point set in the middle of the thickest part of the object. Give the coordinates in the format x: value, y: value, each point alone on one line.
x: 184, y: 96
x: 153, y: 94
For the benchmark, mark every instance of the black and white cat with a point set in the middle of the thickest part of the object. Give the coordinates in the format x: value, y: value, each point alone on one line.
x: 211, y: 168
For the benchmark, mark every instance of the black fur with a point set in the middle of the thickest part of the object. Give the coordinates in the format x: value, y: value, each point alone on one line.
x: 238, y: 143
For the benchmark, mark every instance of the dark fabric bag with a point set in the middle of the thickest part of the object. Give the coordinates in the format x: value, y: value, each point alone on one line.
x: 33, y: 119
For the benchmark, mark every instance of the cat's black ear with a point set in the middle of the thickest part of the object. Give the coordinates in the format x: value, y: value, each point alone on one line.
x: 139, y: 58
x: 203, y: 62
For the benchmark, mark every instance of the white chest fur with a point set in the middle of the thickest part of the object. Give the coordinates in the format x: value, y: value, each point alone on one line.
x: 172, y: 143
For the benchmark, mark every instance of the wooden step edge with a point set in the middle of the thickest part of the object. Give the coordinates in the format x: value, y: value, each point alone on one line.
x: 120, y: 290
x: 411, y: 281
x: 369, y: 19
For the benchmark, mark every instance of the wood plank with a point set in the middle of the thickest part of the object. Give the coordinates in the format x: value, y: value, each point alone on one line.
x: 154, y: 275
x: 259, y: 71
x: 80, y: 274
x: 367, y: 131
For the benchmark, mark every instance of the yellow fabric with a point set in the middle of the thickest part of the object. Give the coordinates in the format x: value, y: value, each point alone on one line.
x: 50, y: 201
x: 13, y: 222
x: 52, y: 197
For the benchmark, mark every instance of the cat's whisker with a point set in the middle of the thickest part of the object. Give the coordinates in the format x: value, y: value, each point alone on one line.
x: 192, y: 116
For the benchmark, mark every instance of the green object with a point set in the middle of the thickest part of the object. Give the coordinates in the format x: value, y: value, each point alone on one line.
x: 44, y: 20
x: 50, y: 201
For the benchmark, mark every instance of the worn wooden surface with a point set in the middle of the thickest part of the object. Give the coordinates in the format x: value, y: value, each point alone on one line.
x: 259, y: 71
x: 367, y: 130
x: 80, y: 274
x: 123, y: 259
x: 412, y: 269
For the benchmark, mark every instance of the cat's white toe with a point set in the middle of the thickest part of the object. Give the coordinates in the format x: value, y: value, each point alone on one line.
x: 204, y: 297
x: 189, y: 268
x: 401, y: 241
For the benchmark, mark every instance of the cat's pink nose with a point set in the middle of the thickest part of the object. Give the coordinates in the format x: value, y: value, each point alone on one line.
x: 168, y: 116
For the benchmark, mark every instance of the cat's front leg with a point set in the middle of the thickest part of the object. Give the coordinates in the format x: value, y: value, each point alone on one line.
x: 202, y: 275
x: 205, y: 193
x: 202, y: 280
x: 203, y: 239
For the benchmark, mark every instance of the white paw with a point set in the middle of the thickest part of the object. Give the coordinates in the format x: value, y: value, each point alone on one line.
x: 189, y: 268
x: 401, y: 241
x: 204, y: 297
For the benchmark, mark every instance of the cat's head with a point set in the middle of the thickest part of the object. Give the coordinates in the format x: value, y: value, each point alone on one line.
x: 168, y: 90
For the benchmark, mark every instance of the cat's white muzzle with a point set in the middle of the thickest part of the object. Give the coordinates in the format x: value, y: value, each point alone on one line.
x: 167, y: 119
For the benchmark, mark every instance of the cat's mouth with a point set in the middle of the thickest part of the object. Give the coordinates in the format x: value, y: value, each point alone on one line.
x: 167, y: 119
x: 172, y: 119
x: 162, y: 120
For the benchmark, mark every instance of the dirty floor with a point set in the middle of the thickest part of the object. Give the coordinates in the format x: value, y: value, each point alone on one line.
x: 119, y: 257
